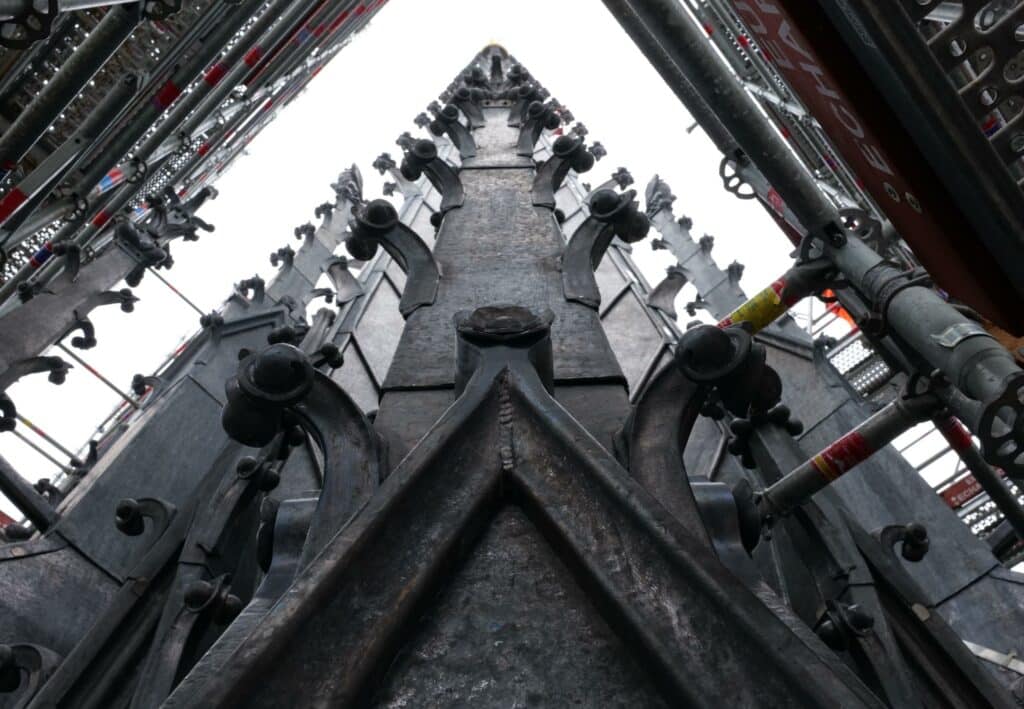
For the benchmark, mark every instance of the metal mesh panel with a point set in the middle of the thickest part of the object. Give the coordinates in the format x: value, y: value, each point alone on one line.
x: 20, y: 255
x: 156, y: 182
x: 977, y: 43
x: 872, y: 374
x: 845, y: 357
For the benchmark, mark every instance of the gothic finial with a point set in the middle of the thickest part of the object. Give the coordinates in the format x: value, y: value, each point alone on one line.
x: 658, y: 196
x: 350, y: 184
x: 145, y: 249
x: 266, y: 383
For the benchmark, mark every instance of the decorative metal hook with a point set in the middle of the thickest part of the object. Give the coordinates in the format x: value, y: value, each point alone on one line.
x: 611, y: 215
x: 568, y: 152
x: 377, y: 223
x: 422, y: 158
x: 447, y: 123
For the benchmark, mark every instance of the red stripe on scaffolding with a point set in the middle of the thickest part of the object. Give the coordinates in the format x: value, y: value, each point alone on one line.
x: 338, y: 20
x: 215, y: 73
x: 958, y: 437
x: 166, y: 95
x: 10, y: 203
x: 842, y: 455
x: 253, y: 56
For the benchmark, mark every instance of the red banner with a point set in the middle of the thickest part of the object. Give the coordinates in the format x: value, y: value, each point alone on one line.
x: 908, y: 195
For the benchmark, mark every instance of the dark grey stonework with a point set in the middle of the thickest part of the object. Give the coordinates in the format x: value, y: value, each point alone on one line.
x: 482, y: 471
x: 513, y: 628
x: 516, y: 263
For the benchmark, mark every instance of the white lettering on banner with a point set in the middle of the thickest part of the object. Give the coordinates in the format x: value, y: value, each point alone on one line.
x: 824, y: 89
x: 767, y: 7
x: 758, y: 28
x: 786, y: 35
x: 875, y: 158
x: 853, y: 126
x: 842, y: 112
x: 778, y: 56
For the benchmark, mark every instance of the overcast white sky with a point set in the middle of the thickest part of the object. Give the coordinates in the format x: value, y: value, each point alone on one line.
x: 352, y: 112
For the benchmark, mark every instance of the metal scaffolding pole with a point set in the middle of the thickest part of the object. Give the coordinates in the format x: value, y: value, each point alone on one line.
x: 61, y: 90
x: 23, y: 199
x: 29, y: 502
x: 93, y: 371
x: 839, y: 457
x: 39, y: 449
x: 959, y: 440
x: 176, y: 292
x: 46, y: 437
x: 238, y: 71
x: 940, y: 336
x: 224, y: 85
x: 165, y: 95
x: 207, y: 97
x: 221, y: 73
x: 15, y: 8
